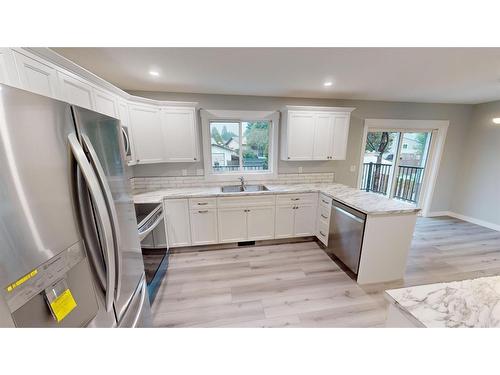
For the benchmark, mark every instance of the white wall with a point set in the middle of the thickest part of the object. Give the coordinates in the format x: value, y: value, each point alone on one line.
x: 477, y: 191
x: 458, y: 115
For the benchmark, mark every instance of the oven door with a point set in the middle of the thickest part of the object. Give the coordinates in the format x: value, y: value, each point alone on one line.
x: 149, y: 217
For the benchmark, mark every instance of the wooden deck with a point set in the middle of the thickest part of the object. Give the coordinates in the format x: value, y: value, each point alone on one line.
x: 298, y: 285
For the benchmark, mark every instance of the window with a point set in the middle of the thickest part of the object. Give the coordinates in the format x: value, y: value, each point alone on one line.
x: 240, y: 146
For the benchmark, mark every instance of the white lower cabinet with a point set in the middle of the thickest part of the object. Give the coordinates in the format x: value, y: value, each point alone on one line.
x: 305, y: 221
x: 203, y: 226
x: 178, y: 226
x: 260, y: 223
x: 284, y: 221
x: 232, y: 224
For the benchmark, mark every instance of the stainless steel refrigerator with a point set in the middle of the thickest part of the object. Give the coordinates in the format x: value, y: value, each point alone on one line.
x: 69, y: 246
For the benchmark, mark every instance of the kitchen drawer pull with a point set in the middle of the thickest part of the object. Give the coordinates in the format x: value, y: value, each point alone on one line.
x: 202, y: 203
x: 320, y: 232
x: 203, y: 212
x: 324, y: 201
x: 295, y: 199
x: 324, y: 217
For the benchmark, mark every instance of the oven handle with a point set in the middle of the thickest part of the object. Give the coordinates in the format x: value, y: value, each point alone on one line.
x: 144, y: 233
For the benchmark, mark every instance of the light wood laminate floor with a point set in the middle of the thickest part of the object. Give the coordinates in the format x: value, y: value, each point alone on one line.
x: 298, y: 285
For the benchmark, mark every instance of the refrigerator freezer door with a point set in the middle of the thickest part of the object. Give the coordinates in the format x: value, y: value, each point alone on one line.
x: 37, y: 216
x: 103, y: 138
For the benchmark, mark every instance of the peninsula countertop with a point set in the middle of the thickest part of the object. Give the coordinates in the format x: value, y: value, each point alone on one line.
x: 467, y: 303
x: 366, y: 202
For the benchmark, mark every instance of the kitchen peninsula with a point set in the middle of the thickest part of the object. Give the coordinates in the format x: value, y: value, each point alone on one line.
x: 206, y: 215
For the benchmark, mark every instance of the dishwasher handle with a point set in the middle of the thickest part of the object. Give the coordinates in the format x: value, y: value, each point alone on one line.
x: 352, y: 216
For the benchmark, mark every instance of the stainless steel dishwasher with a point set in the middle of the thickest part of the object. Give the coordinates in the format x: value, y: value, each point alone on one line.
x: 345, y: 238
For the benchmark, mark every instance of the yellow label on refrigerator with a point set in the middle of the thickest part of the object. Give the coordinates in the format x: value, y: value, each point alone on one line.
x: 21, y: 281
x: 63, y: 305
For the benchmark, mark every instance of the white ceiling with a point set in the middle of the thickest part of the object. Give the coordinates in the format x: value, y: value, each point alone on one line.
x: 444, y: 75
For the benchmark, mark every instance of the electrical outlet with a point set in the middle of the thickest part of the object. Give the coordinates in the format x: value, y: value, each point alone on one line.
x: 300, y: 169
x: 200, y: 172
x: 353, y: 168
x: 184, y: 172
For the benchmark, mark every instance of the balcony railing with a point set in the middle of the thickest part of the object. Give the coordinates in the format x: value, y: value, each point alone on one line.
x: 376, y: 178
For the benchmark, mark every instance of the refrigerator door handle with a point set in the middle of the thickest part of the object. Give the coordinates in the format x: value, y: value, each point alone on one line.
x: 111, y: 208
x: 103, y: 219
x: 127, y: 141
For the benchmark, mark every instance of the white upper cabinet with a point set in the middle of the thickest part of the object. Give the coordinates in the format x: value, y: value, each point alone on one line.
x: 8, y: 71
x: 315, y: 133
x: 180, y: 134
x: 145, y: 126
x: 75, y: 91
x: 35, y: 76
x: 300, y: 136
x: 105, y: 103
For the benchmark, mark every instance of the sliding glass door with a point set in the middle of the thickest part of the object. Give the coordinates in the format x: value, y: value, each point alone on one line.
x: 394, y: 163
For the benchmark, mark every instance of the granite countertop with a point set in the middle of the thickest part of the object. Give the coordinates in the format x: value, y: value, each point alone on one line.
x: 467, y: 303
x: 368, y: 203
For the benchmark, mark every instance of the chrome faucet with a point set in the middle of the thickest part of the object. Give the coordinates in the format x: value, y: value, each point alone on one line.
x: 242, y: 180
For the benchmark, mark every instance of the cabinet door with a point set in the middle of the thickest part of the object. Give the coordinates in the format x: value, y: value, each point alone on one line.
x: 305, y: 221
x: 8, y: 71
x: 35, y: 76
x: 260, y: 222
x: 145, y: 124
x: 204, y: 226
x: 75, y: 91
x: 340, y: 136
x: 105, y: 103
x: 323, y: 137
x: 180, y: 134
x: 177, y: 222
x: 284, y: 221
x: 300, y: 134
x: 232, y: 224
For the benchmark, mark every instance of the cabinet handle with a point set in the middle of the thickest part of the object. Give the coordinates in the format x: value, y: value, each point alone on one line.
x: 320, y: 232
x: 295, y: 199
x: 202, y: 203
x: 203, y: 212
x: 289, y: 157
x: 324, y: 201
x: 194, y: 158
x: 324, y: 217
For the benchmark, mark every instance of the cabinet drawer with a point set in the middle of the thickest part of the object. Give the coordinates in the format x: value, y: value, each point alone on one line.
x: 202, y: 203
x: 325, y: 200
x: 324, y: 213
x: 204, y: 226
x: 296, y: 199
x: 323, y: 228
x: 252, y: 201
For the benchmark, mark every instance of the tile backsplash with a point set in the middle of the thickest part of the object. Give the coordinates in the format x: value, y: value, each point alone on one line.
x: 143, y: 184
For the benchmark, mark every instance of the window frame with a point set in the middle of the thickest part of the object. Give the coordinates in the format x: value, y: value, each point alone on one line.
x: 209, y: 116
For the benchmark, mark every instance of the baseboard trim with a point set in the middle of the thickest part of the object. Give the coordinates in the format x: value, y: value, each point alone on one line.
x: 469, y: 219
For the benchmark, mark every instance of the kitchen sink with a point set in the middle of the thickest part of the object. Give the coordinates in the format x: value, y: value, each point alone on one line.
x: 239, y: 189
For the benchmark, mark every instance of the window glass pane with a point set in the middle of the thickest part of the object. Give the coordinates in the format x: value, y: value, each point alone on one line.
x: 225, y: 146
x: 255, y: 145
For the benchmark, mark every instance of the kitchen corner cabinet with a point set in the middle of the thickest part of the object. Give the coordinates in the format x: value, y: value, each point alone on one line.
x: 315, y: 133
x: 296, y: 215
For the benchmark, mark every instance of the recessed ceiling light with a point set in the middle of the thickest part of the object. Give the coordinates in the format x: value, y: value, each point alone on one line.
x: 496, y: 120
x: 154, y: 73
x: 328, y: 83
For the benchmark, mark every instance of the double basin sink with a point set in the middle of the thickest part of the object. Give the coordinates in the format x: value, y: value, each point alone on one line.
x: 243, y: 189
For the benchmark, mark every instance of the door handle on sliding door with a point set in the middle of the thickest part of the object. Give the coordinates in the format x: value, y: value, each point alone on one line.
x: 103, y: 220
x: 110, y: 205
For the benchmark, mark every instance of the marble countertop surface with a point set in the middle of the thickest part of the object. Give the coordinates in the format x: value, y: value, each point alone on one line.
x: 369, y: 203
x: 467, y: 303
